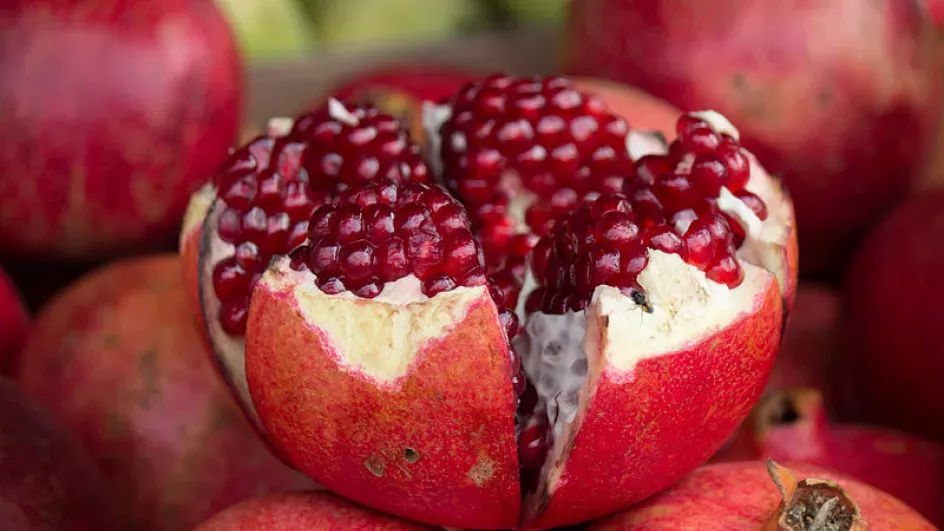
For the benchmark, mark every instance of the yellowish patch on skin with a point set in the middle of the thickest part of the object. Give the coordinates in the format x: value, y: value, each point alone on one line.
x: 482, y: 472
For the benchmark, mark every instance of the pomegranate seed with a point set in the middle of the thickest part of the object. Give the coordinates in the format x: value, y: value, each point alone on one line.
x: 737, y: 166
x: 233, y: 315
x: 700, y: 245
x: 726, y: 271
x: 754, y: 203
x: 230, y: 278
x: 533, y: 446
x: 708, y: 175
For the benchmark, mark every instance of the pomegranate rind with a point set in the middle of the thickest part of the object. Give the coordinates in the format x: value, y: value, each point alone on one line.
x: 666, y: 418
x: 742, y: 496
x: 435, y: 445
x: 189, y: 248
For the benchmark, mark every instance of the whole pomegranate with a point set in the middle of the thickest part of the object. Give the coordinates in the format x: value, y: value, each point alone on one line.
x: 791, y: 425
x: 841, y: 98
x: 113, y: 112
x: 810, y: 340
x: 117, y: 358
x: 14, y: 322
x: 463, y: 355
x: 47, y: 480
x: 892, y: 320
x: 313, y: 511
x: 744, y: 497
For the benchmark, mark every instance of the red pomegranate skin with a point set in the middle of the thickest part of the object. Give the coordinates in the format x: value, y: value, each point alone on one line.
x: 658, y: 404
x: 741, y: 496
x: 48, y: 482
x: 809, y: 340
x: 840, y: 98
x: 113, y: 113
x: 905, y: 466
x: 420, y: 474
x: 14, y: 323
x: 310, y: 511
x: 892, y: 317
x: 117, y: 358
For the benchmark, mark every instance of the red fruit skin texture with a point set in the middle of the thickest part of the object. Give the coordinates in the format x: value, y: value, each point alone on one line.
x: 48, y: 482
x: 437, y: 444
x: 14, y: 324
x: 891, y: 322
x: 840, y: 98
x: 905, y: 466
x: 809, y: 340
x: 117, y: 358
x: 741, y: 496
x: 113, y: 113
x: 304, y: 511
x: 684, y: 404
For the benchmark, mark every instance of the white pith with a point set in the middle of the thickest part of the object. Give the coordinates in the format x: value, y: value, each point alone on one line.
x: 562, y: 353
x: 377, y: 337
x: 279, y: 126
x: 339, y: 112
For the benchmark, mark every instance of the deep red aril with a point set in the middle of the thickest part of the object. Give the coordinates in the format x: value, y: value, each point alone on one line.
x: 14, y: 323
x: 891, y: 337
x: 744, y: 497
x: 816, y: 119
x: 791, y: 425
x: 113, y: 113
x: 48, y: 482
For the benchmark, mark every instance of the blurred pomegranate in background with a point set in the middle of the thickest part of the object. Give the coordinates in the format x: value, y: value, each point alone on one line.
x: 893, y: 347
x: 296, y: 511
x: 47, y: 480
x: 744, y: 497
x: 116, y: 357
x: 841, y: 98
x: 14, y: 322
x: 792, y: 426
x: 112, y: 113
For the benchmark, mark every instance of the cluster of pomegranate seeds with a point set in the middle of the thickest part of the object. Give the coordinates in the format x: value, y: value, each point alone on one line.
x: 559, y: 143
x: 670, y: 205
x: 270, y: 188
x: 350, y: 145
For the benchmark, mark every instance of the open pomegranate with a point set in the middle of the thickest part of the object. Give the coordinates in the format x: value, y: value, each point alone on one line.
x: 748, y: 496
x: 791, y: 425
x: 462, y: 356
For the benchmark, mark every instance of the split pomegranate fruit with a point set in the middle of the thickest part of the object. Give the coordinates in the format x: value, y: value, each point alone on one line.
x: 464, y: 355
x: 748, y: 496
x: 792, y: 425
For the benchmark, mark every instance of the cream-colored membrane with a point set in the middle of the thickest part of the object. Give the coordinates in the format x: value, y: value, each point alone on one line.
x: 379, y: 337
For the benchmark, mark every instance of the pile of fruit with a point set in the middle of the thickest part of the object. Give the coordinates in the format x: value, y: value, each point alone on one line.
x: 690, y: 282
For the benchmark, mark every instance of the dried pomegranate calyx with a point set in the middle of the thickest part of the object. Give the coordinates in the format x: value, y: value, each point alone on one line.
x: 811, y: 504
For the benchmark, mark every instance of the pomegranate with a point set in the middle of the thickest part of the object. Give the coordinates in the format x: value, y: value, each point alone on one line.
x: 315, y: 511
x: 411, y: 351
x: 792, y: 426
x: 809, y: 340
x: 47, y: 480
x: 116, y: 358
x: 742, y: 497
x: 113, y: 113
x: 814, y: 86
x: 14, y: 322
x: 891, y: 321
